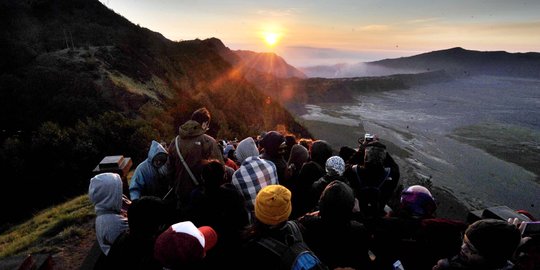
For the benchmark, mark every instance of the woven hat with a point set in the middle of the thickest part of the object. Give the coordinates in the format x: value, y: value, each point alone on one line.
x: 335, y: 166
x: 273, y: 204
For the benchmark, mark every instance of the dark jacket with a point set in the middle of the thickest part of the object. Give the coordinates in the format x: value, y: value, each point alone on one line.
x: 337, y: 244
x: 194, y: 147
x: 255, y: 256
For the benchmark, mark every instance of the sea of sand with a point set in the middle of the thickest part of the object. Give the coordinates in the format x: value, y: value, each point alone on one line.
x: 475, y: 141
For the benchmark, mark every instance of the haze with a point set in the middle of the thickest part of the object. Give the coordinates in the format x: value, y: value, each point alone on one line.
x: 341, y: 31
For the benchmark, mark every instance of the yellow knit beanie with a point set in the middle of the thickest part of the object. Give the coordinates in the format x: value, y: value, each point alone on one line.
x: 273, y: 204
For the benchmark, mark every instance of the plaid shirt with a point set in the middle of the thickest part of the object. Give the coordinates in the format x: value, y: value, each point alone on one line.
x: 253, y: 175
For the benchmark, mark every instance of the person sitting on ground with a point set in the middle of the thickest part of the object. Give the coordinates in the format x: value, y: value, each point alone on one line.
x: 105, y: 192
x: 184, y: 246
x: 150, y: 177
x: 488, y: 244
x: 254, y: 173
x: 148, y: 217
x: 332, y: 234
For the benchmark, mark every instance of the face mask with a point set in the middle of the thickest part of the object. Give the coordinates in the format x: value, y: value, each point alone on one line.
x: 163, y: 170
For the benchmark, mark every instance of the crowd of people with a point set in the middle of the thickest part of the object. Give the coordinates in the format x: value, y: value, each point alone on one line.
x: 201, y: 203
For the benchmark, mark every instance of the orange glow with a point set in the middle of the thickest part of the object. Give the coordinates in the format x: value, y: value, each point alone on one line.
x: 271, y: 38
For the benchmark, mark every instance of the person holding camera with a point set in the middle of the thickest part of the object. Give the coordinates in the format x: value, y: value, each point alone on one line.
x: 488, y: 244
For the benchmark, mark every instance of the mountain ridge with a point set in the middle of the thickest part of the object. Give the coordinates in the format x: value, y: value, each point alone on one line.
x: 456, y: 61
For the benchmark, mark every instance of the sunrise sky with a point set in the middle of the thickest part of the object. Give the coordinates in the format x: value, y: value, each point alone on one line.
x: 328, y: 32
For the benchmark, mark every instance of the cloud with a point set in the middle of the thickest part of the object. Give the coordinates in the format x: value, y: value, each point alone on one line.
x: 423, y: 20
x: 276, y: 12
x: 375, y: 28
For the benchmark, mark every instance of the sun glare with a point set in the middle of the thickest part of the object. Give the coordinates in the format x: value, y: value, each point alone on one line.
x: 271, y: 38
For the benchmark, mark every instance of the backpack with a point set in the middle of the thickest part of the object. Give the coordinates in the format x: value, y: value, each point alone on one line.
x: 295, y: 254
x: 369, y: 196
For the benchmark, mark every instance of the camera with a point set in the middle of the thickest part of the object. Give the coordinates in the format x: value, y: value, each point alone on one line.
x: 369, y: 138
x: 530, y: 228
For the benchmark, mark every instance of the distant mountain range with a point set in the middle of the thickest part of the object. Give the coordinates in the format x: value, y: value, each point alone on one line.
x: 78, y: 82
x: 455, y: 61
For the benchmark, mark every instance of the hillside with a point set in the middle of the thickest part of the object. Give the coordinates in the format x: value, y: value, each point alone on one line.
x: 455, y: 62
x: 294, y: 92
x: 461, y: 62
x: 79, y: 82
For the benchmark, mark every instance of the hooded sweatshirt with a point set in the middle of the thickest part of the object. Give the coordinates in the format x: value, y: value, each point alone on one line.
x: 271, y: 143
x: 105, y: 192
x: 147, y: 179
x: 254, y: 173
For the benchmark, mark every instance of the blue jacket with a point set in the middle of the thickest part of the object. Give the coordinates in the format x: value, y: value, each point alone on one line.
x: 147, y: 179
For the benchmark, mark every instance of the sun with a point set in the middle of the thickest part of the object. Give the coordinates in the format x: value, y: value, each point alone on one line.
x: 271, y: 38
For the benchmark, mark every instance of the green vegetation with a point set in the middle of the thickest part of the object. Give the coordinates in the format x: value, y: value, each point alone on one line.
x: 45, y: 230
x: 79, y: 82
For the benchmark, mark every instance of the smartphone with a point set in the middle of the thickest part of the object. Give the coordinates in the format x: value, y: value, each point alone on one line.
x: 530, y: 228
x: 398, y: 266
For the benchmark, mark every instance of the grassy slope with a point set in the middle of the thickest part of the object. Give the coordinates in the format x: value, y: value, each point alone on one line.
x: 50, y: 229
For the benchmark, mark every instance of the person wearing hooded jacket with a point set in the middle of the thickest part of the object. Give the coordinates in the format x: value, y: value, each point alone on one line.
x: 254, y: 173
x: 310, y: 172
x: 271, y: 143
x: 149, y: 178
x: 194, y: 146
x: 105, y: 192
x: 331, y: 233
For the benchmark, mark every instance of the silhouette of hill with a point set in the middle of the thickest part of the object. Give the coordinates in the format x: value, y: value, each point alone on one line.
x: 249, y: 62
x: 78, y: 82
x: 269, y: 63
x: 459, y: 61
x: 455, y: 62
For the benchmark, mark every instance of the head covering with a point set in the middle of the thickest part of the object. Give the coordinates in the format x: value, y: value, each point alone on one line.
x: 183, y: 243
x: 375, y: 154
x: 246, y: 148
x: 105, y: 192
x: 273, y: 205
x: 146, y: 216
x: 346, y: 153
x: 418, y: 201
x: 335, y: 166
x: 496, y: 240
x: 271, y: 142
x: 299, y: 156
x: 156, y: 148
x: 320, y: 152
x: 337, y: 202
x: 228, y: 148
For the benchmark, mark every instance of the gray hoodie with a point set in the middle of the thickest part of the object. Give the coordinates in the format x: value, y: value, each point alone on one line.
x: 105, y: 192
